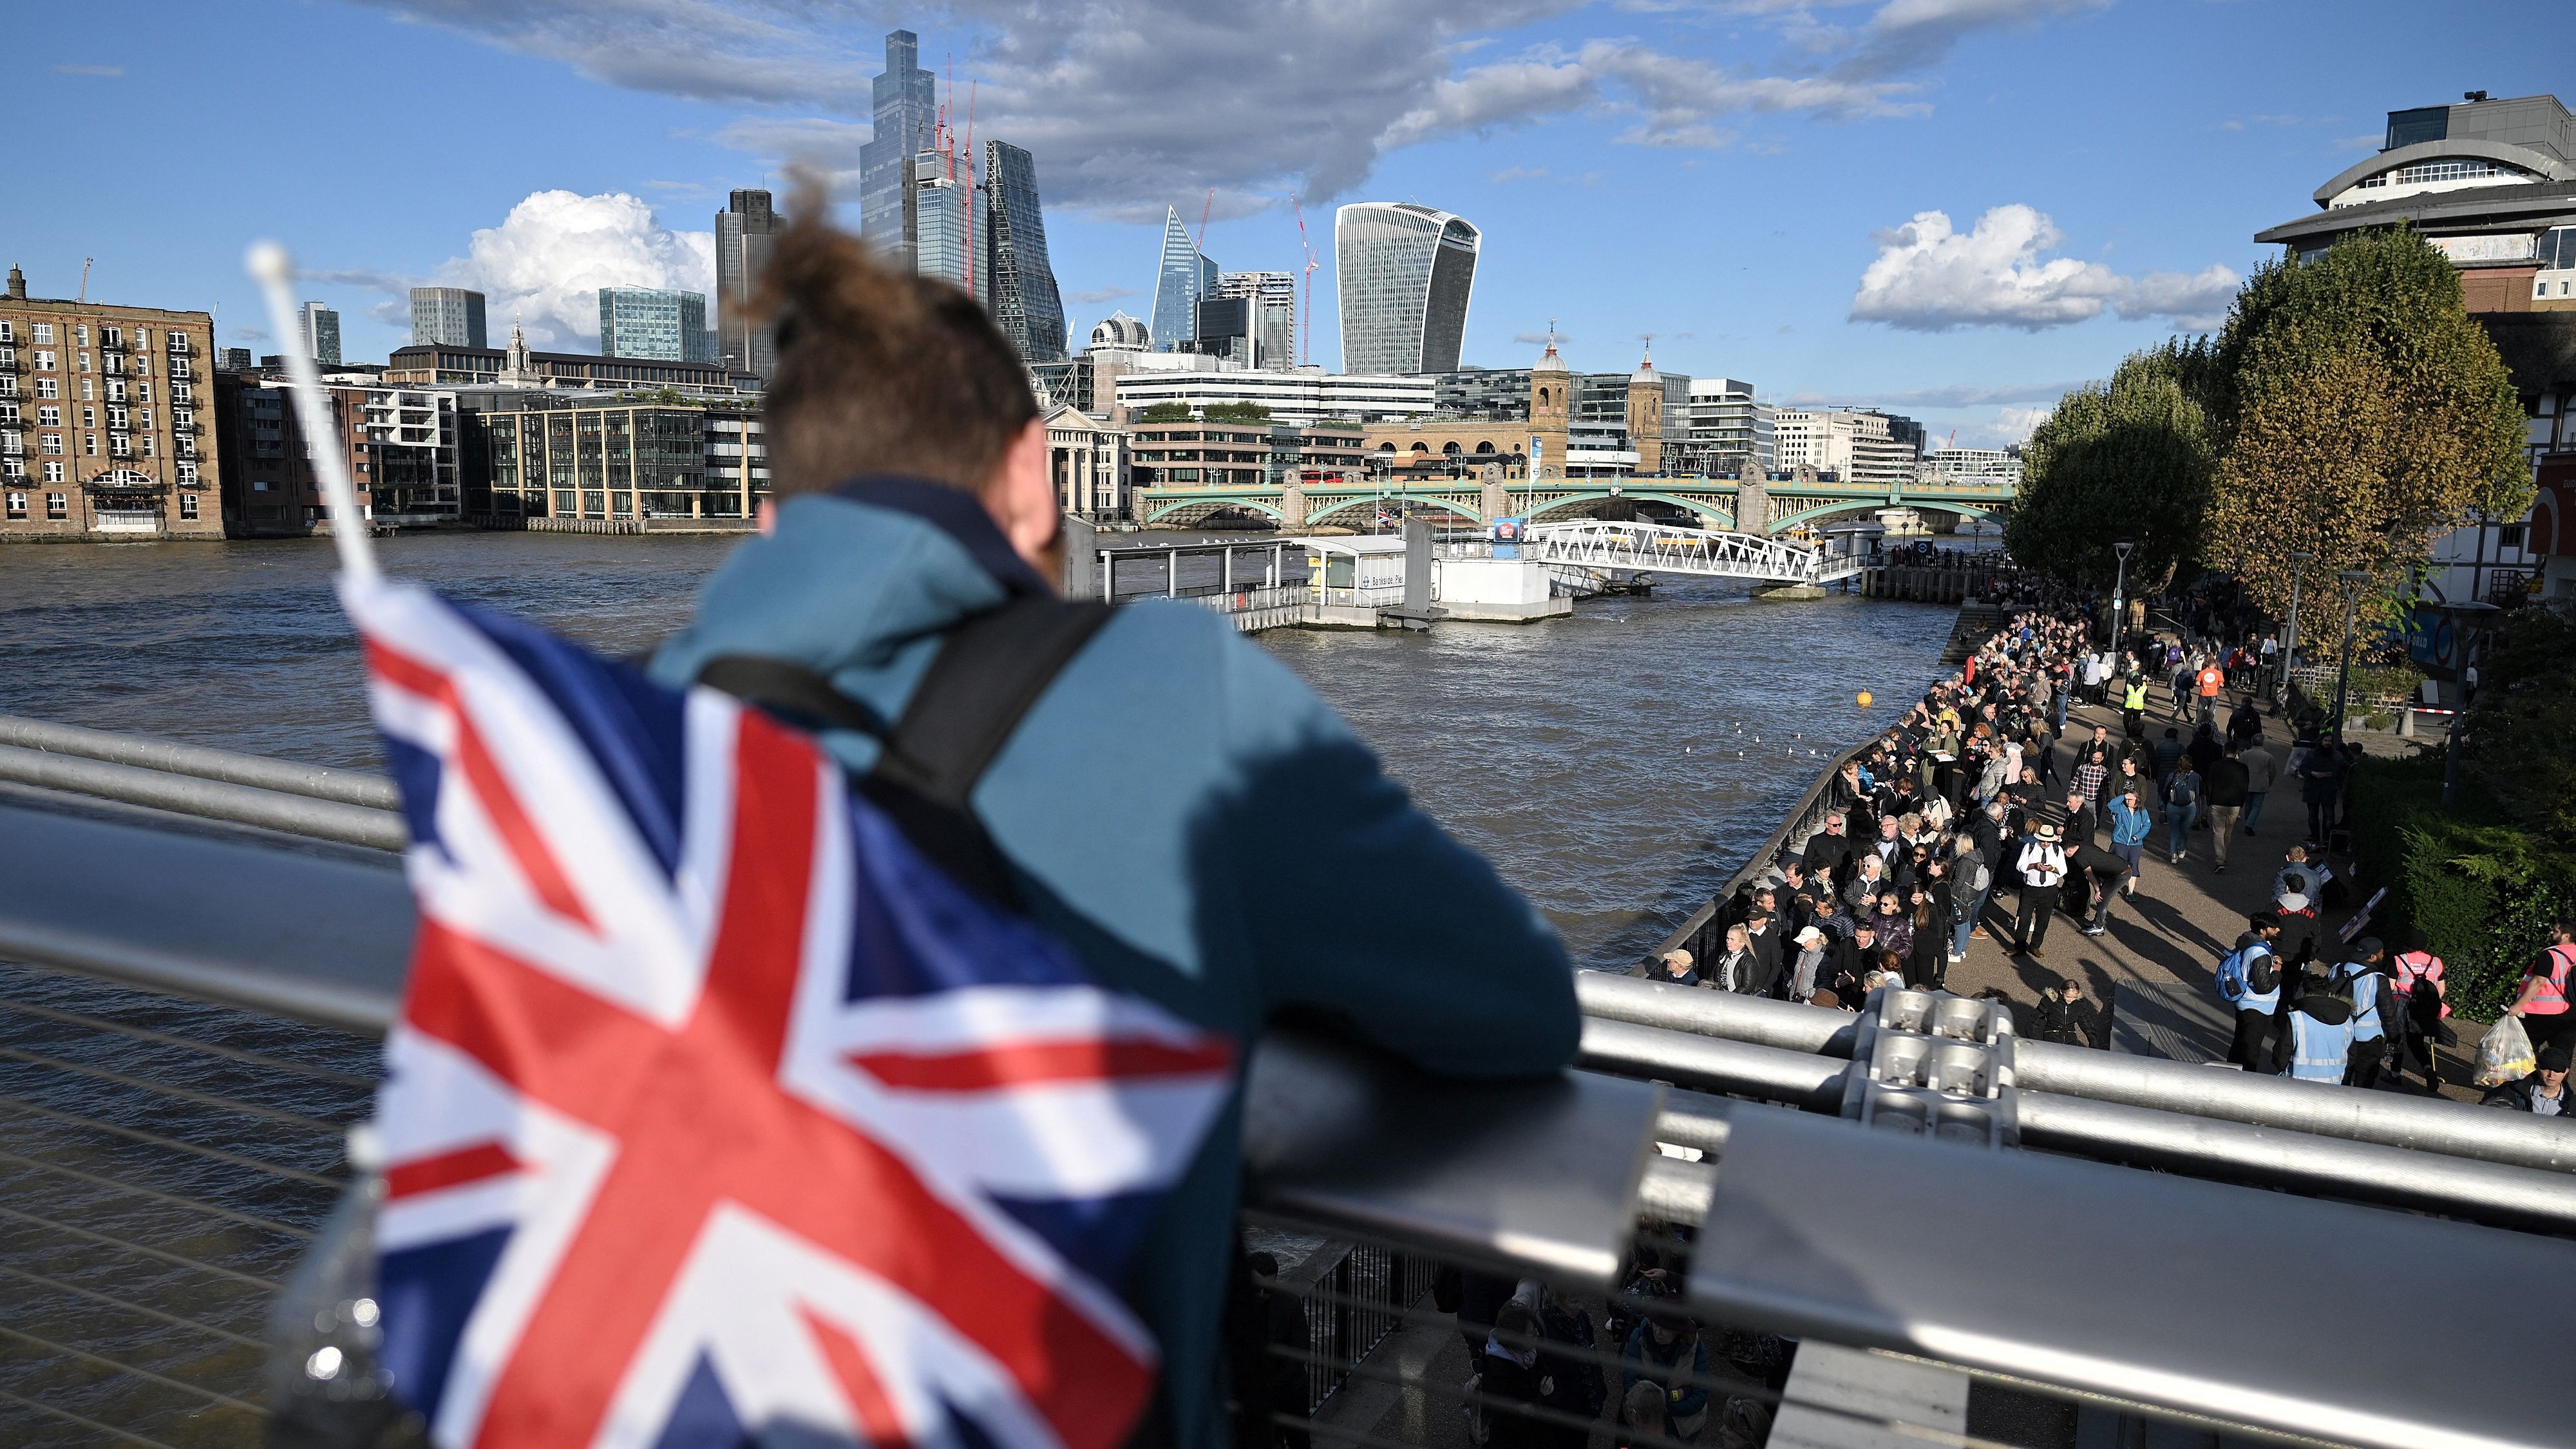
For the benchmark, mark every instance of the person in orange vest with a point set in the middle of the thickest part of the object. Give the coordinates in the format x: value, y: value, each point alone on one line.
x: 2543, y: 1005
x: 2421, y: 997
x: 2212, y: 680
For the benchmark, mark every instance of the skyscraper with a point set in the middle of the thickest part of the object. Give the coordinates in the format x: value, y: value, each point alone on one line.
x: 1021, y: 292
x: 654, y: 323
x: 743, y: 232
x: 1405, y: 272
x: 907, y: 111
x: 949, y: 241
x: 321, y: 328
x: 447, y: 317
x: 1184, y: 278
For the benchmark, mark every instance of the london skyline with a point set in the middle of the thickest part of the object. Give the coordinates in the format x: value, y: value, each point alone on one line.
x: 1952, y: 208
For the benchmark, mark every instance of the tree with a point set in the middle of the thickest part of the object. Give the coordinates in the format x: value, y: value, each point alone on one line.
x: 2524, y: 715
x: 2128, y: 459
x: 1237, y: 412
x: 2361, y: 413
x: 1165, y: 412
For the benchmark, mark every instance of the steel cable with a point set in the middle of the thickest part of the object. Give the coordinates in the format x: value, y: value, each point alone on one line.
x: 265, y: 1285
x: 190, y: 1203
x: 226, y: 1400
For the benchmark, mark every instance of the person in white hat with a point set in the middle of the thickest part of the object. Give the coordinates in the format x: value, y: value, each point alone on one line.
x: 2043, y: 869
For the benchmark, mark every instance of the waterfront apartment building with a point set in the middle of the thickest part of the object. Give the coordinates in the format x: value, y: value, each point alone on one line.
x: 639, y: 458
x: 1303, y: 395
x: 1182, y: 279
x: 1859, y: 445
x: 906, y: 113
x: 321, y: 328
x: 399, y: 445
x: 2000, y: 467
x: 105, y: 420
x: 1405, y: 273
x: 453, y: 316
x: 658, y: 324
x: 1021, y: 291
x: 745, y: 230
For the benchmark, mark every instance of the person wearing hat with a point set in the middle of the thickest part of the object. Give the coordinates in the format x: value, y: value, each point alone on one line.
x: 1807, y: 968
x: 1676, y: 968
x: 2042, y: 865
x: 2249, y: 982
x: 2543, y: 1093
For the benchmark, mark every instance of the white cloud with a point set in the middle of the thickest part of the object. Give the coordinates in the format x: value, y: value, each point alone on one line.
x: 546, y: 261
x: 1930, y: 277
x: 2015, y: 425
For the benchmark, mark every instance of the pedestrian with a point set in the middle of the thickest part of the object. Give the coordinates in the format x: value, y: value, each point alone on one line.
x: 2363, y: 981
x: 2224, y: 790
x: 910, y: 495
x: 2182, y: 807
x: 2543, y: 1004
x: 2129, y: 826
x: 1570, y: 1383
x: 2416, y: 975
x: 2168, y: 755
x: 1893, y: 924
x: 1665, y: 1350
x: 1970, y: 881
x: 2543, y: 1093
x: 2249, y: 985
x: 1806, y: 970
x: 2320, y: 785
x: 2211, y: 680
x: 1762, y: 934
x: 1641, y: 1418
x: 2261, y: 770
x: 2133, y: 706
x: 1928, y: 965
x: 2065, y: 1016
x: 2318, y: 1047
x: 2101, y: 875
x: 2042, y: 864
x: 1509, y: 1388
x: 1733, y: 969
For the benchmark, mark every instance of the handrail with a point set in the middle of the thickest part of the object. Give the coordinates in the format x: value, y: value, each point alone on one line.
x: 319, y: 782
x: 1548, y: 1179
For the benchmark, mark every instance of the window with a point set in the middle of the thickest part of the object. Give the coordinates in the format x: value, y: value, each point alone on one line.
x: 187, y: 505
x: 81, y: 332
x: 142, y: 364
x: 53, y: 443
x: 53, y: 472
x: 89, y: 444
x: 44, y: 332
x: 181, y: 392
x: 146, y: 418
x: 8, y: 330
x: 115, y: 390
x: 17, y: 505
x: 89, y: 389
x: 44, y: 361
x: 113, y: 362
x: 179, y: 367
x: 187, y: 472
x: 84, y: 362
x: 58, y: 505
x: 49, y: 417
x: 89, y: 417
x: 111, y: 337
x: 2510, y: 536
x: 47, y: 387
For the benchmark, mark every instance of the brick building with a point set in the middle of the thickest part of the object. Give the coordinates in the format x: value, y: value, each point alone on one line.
x: 104, y: 414
x: 400, y: 445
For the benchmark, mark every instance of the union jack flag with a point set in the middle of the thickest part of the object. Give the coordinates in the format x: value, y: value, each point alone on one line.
x: 714, y: 1110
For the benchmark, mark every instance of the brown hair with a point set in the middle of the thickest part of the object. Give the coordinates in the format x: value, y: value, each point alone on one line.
x: 879, y: 371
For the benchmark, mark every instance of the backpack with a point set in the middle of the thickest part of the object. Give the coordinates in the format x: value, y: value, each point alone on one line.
x: 2235, y: 970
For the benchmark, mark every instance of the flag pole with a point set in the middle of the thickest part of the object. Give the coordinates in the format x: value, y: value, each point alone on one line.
x: 275, y: 271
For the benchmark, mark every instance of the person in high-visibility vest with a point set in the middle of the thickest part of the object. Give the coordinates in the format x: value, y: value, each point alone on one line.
x: 2318, y: 1045
x: 2364, y: 981
x: 2133, y: 707
x: 2548, y: 989
x: 2415, y: 975
x: 2249, y: 982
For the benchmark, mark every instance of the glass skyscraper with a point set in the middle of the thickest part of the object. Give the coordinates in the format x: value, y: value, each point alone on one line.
x: 1405, y: 272
x: 1021, y: 291
x: 907, y: 111
x: 654, y: 323
x: 949, y: 240
x: 1185, y: 278
x: 321, y: 333
x: 743, y: 232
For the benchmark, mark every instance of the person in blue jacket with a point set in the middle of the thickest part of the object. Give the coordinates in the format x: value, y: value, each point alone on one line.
x: 1177, y: 806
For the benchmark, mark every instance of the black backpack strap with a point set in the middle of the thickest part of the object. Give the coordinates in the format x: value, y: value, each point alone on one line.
x: 801, y: 696
x: 992, y: 669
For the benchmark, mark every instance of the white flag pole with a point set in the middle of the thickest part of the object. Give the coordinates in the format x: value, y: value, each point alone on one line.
x: 275, y: 272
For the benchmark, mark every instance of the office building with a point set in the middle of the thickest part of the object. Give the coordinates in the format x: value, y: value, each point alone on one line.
x: 1499, y: 394
x: 565, y: 455
x: 233, y: 359
x: 1021, y: 292
x: 653, y: 323
x: 1087, y: 459
x: 1304, y: 395
x: 1857, y: 445
x: 399, y: 445
x: 1405, y: 273
x: 906, y: 114
x: 2492, y: 184
x: 1183, y: 278
x: 744, y: 234
x: 1223, y: 328
x: 451, y: 315
x: 1201, y: 451
x: 1987, y: 467
x: 947, y: 242
x: 518, y: 366
x: 100, y: 430
x: 321, y: 327
x: 1270, y: 321
x: 1729, y: 431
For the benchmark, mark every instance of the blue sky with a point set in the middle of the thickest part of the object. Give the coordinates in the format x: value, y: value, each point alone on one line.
x: 1750, y: 180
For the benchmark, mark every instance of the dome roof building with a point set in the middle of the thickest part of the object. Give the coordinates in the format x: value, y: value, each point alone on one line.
x: 1119, y: 330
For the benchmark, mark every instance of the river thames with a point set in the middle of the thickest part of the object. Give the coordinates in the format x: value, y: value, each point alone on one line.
x: 1615, y: 765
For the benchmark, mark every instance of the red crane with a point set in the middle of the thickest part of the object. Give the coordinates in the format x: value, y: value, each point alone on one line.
x: 1306, y: 325
x: 1201, y: 243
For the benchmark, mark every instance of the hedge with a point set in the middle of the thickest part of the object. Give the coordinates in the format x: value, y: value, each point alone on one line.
x: 2483, y: 889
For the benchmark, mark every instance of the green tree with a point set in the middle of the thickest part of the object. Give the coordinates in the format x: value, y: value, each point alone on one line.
x: 2517, y: 731
x: 1165, y: 412
x: 1242, y: 412
x: 2361, y: 413
x: 2131, y: 459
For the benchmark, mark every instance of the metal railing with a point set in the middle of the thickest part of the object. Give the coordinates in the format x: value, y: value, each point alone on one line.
x: 170, y: 1156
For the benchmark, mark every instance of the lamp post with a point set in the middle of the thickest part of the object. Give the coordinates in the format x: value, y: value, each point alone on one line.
x: 2119, y: 588
x: 2352, y: 580
x: 2471, y: 619
x: 2290, y: 635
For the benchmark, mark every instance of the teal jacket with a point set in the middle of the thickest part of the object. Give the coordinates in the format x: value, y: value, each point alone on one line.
x: 1186, y: 814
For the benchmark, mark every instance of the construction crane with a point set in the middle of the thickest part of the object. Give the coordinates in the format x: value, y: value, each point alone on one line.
x: 1305, y: 324
x: 1204, y: 212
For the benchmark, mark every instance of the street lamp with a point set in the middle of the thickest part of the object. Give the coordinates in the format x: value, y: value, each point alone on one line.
x: 2352, y: 580
x: 2290, y: 641
x: 2119, y: 587
x: 2471, y: 619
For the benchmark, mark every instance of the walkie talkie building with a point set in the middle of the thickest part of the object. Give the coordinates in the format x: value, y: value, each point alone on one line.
x: 1404, y: 272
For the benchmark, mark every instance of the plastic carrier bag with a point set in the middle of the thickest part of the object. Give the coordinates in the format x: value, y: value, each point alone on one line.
x: 2504, y: 1053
